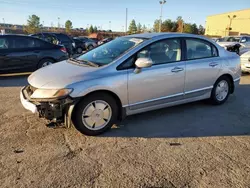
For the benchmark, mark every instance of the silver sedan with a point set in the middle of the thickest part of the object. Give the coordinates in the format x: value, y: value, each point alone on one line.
x: 130, y: 75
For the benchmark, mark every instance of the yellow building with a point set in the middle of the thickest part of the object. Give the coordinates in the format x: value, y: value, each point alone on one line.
x: 230, y: 23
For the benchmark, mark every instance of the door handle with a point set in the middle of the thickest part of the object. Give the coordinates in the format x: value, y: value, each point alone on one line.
x: 177, y: 69
x: 213, y: 64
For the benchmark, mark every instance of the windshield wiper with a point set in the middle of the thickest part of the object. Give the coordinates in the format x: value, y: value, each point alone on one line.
x: 84, y: 61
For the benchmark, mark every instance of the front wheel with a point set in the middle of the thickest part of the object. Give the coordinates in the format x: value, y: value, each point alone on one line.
x: 95, y: 114
x: 221, y: 91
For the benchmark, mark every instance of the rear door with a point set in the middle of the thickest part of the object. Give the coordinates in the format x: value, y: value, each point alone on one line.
x: 202, y: 67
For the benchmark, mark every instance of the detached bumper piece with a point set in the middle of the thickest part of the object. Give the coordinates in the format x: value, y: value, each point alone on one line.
x: 55, y: 110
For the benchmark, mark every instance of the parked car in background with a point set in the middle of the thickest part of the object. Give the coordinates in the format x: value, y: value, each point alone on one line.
x: 130, y: 75
x: 104, y: 41
x: 58, y: 38
x: 95, y: 40
x: 26, y: 54
x: 245, y: 62
x: 238, y: 44
x: 83, y: 43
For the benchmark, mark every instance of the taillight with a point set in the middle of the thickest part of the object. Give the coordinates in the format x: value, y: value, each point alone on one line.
x: 63, y: 49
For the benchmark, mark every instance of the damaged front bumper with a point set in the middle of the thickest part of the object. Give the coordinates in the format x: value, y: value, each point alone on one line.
x: 54, y: 110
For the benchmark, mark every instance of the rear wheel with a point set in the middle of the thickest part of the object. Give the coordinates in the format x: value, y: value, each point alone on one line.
x: 221, y: 90
x: 90, y: 47
x: 95, y: 114
x: 79, y: 50
x: 45, y: 62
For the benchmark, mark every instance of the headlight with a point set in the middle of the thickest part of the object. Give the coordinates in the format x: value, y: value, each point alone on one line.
x: 50, y: 93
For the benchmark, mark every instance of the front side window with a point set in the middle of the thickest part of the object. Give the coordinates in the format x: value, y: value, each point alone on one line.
x: 108, y: 52
x: 164, y: 51
x: 197, y: 49
x: 4, y: 44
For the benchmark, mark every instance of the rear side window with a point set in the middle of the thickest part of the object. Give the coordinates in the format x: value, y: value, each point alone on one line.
x: 4, y: 44
x: 23, y: 42
x: 50, y: 38
x: 62, y: 37
x: 41, y: 44
x: 197, y: 49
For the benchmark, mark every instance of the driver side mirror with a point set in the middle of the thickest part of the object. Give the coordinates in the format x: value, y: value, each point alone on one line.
x: 142, y: 63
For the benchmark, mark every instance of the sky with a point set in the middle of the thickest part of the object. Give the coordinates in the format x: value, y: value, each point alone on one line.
x: 111, y: 14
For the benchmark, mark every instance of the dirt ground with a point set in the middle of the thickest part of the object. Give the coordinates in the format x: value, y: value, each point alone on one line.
x: 193, y: 145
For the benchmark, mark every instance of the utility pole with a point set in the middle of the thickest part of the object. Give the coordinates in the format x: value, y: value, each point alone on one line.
x: 161, y: 3
x: 126, y: 21
x: 230, y: 22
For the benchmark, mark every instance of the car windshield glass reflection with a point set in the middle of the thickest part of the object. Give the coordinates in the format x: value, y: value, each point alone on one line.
x: 108, y: 52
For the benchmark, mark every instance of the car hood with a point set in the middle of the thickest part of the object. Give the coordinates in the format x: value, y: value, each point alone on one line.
x: 246, y: 54
x: 223, y: 44
x: 60, y: 75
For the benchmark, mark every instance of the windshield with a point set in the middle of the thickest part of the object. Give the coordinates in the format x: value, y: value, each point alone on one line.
x: 108, y: 52
x: 229, y: 39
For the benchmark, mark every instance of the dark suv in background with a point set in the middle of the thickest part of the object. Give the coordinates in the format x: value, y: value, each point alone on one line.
x: 58, y: 38
x: 19, y: 53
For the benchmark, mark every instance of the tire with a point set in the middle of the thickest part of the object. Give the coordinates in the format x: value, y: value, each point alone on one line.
x: 94, y: 121
x: 45, y: 62
x: 218, y: 96
x: 79, y: 50
x: 237, y: 50
x: 90, y: 47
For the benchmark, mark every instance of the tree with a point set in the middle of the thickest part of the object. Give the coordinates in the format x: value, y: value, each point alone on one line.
x: 168, y: 26
x: 33, y: 24
x: 180, y: 24
x: 201, y: 30
x: 95, y: 29
x: 132, y: 27
x: 194, y: 29
x: 91, y: 29
x: 144, y: 28
x: 68, y: 26
x: 139, y: 28
x: 156, y: 25
x: 187, y: 28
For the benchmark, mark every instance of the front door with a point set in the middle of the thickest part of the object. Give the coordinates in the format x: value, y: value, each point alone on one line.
x: 163, y: 82
x: 202, y: 67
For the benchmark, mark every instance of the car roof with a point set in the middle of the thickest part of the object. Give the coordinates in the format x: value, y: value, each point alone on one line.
x: 156, y: 35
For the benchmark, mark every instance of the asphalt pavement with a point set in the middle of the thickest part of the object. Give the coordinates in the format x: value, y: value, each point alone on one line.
x: 192, y: 145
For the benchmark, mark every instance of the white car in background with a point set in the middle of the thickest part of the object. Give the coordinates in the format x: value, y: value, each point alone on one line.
x: 238, y: 44
x: 245, y: 62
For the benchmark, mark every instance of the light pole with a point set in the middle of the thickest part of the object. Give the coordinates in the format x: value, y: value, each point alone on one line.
x: 161, y: 3
x: 58, y: 22
x: 230, y: 22
x: 110, y: 25
x: 3, y: 22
